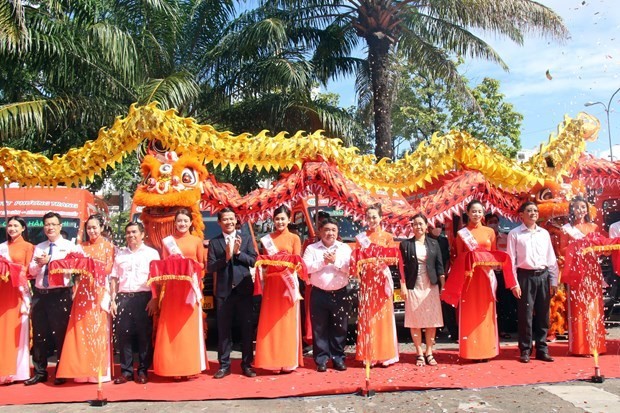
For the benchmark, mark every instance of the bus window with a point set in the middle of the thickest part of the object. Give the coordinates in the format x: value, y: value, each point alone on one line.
x: 70, y: 229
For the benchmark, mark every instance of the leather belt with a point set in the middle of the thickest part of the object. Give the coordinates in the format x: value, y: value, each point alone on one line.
x: 45, y: 291
x: 136, y: 294
x: 340, y: 290
x: 531, y: 273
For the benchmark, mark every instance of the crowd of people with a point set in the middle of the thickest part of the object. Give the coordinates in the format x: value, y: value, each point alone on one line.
x: 153, y: 299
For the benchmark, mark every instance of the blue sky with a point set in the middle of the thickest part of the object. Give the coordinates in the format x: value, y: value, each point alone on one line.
x: 584, y: 68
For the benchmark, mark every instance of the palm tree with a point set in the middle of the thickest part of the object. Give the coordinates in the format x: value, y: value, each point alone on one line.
x: 68, y: 68
x: 427, y: 33
x: 73, y: 66
x: 260, y: 78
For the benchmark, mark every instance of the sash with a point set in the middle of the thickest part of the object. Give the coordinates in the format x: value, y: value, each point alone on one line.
x: 10, y: 270
x: 4, y: 251
x: 582, y: 256
x: 573, y: 231
x: 171, y: 245
x: 177, y: 269
x: 363, y: 239
x: 381, y: 258
x: 468, y: 239
x: 269, y: 245
x: 288, y: 267
x: 90, y: 271
x: 472, y: 245
x: 18, y: 275
x: 463, y: 269
x: 61, y: 271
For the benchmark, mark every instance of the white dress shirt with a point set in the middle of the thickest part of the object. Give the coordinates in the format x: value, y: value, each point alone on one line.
x: 131, y: 269
x: 62, y: 247
x: 532, y: 250
x: 614, y: 230
x: 328, y: 277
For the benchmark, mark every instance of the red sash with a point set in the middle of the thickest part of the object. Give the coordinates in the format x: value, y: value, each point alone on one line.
x: 371, y: 266
x: 177, y: 270
x: 288, y: 267
x: 15, y: 272
x: 582, y: 256
x: 463, y: 269
x: 75, y: 264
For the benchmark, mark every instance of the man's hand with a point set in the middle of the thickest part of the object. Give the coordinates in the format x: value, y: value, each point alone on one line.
x: 113, y: 308
x: 153, y: 306
x: 553, y: 290
x: 42, y: 260
x: 329, y: 257
x: 237, y: 246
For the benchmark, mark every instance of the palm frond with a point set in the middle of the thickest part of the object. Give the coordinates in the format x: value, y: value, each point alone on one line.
x: 13, y: 30
x: 20, y: 117
x: 174, y: 91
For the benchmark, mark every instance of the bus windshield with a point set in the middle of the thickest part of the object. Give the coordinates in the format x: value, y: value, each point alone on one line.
x: 212, y: 228
x: 70, y: 228
x: 347, y: 228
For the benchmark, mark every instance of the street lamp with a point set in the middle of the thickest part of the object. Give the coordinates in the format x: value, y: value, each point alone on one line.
x: 607, y: 108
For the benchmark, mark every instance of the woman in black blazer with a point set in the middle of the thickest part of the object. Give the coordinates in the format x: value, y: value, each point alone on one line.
x: 424, y: 278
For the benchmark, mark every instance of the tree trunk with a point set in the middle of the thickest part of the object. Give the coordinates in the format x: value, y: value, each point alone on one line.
x: 378, y: 49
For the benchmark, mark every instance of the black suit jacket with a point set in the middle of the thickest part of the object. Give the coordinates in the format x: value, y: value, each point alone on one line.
x: 434, y: 265
x: 234, y: 273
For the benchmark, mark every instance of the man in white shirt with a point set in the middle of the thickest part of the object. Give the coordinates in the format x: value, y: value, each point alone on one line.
x: 614, y: 230
x: 532, y: 255
x: 132, y: 304
x: 327, y: 262
x: 51, y: 304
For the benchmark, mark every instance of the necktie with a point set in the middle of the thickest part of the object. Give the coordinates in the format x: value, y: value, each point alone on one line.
x: 45, y: 283
x: 231, y: 244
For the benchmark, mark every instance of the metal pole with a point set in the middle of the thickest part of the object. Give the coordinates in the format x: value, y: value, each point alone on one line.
x: 611, y: 155
x: 607, y: 109
x: 6, y: 213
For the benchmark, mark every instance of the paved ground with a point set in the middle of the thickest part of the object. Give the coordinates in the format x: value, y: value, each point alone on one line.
x: 569, y: 397
x: 574, y: 397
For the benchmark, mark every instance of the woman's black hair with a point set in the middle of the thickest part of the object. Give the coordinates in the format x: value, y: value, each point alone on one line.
x: 187, y: 213
x: 472, y: 203
x: 376, y: 207
x: 282, y: 209
x: 571, y: 209
x: 22, y: 222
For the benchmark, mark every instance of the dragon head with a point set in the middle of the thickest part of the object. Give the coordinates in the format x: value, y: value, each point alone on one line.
x: 170, y: 182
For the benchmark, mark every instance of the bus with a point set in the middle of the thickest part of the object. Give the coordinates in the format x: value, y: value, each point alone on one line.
x: 74, y: 205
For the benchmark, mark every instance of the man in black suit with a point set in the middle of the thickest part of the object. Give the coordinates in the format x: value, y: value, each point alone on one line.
x: 231, y: 255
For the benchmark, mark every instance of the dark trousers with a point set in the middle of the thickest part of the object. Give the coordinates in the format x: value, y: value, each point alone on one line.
x: 240, y: 306
x: 50, y: 316
x: 134, y: 323
x: 449, y: 320
x: 329, y: 311
x: 533, y: 309
x: 506, y: 306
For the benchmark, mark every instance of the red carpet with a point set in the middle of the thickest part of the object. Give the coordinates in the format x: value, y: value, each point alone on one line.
x: 451, y: 372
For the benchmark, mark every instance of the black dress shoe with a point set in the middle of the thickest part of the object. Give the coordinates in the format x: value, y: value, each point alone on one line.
x: 249, y: 372
x: 339, y: 366
x: 221, y: 373
x: 142, y: 378
x: 122, y: 379
x: 544, y: 357
x: 37, y: 378
x: 525, y: 357
x: 321, y: 368
x: 59, y: 382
